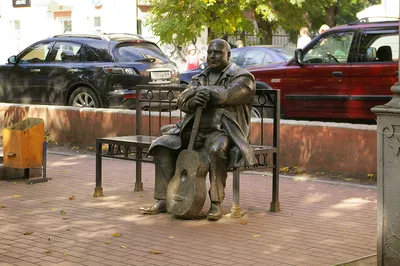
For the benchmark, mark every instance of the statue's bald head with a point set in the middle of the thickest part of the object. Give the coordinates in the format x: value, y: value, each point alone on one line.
x: 218, y: 55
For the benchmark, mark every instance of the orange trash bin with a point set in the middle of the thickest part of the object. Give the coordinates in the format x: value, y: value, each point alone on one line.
x: 23, y: 144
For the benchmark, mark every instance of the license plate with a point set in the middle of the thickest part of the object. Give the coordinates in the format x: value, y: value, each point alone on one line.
x: 160, y: 75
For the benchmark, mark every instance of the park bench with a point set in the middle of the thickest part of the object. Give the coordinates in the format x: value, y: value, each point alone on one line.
x: 150, y: 120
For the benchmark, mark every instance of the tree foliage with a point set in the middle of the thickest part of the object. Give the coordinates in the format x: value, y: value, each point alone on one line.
x: 181, y: 21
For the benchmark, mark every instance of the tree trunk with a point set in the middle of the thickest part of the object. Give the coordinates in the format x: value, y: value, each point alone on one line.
x: 265, y: 28
x: 330, y: 16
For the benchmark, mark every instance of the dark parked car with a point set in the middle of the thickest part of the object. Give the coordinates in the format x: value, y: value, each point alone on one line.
x: 85, y: 70
x: 249, y: 56
x: 340, y: 74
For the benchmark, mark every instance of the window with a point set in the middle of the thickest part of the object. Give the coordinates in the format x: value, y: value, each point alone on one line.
x: 330, y: 49
x: 139, y: 52
x: 252, y: 57
x: 379, y: 46
x: 67, y: 52
x: 235, y: 57
x: 36, y: 54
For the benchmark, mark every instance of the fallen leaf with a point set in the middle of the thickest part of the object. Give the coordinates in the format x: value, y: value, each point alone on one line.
x: 142, y: 195
x: 53, y: 209
x: 108, y: 243
x: 63, y: 212
x: 28, y: 233
x: 68, y: 229
x: 72, y: 197
x: 65, y: 254
x: 171, y: 237
x: 155, y: 252
x: 47, y: 251
x: 16, y: 196
x: 255, y: 236
x: 2, y: 207
x: 122, y: 247
x: 116, y: 235
x: 44, y: 201
x: 370, y: 176
x: 28, y: 212
x: 243, y: 222
x: 348, y: 179
x: 64, y: 218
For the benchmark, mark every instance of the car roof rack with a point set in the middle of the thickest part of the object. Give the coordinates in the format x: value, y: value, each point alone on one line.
x: 83, y: 35
x: 377, y: 19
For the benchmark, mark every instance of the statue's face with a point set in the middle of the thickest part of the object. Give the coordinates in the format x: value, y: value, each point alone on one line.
x: 218, y: 56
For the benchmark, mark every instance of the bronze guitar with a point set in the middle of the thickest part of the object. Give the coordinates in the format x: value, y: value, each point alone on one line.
x: 187, y: 191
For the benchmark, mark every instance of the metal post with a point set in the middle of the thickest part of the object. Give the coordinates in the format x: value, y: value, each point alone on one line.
x: 275, y: 204
x: 98, y: 190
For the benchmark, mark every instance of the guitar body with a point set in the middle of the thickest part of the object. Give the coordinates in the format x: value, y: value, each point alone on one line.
x: 187, y: 191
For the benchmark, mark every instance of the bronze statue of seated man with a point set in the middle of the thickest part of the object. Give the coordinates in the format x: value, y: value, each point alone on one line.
x: 227, y: 92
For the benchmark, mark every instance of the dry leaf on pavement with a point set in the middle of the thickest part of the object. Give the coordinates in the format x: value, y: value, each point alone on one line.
x: 155, y: 252
x: 28, y: 233
x: 2, y: 207
x: 16, y: 196
x: 63, y: 212
x: 116, y: 234
x: 243, y: 222
x: 72, y: 197
x: 255, y: 236
x: 108, y: 243
x: 47, y: 251
x: 122, y: 247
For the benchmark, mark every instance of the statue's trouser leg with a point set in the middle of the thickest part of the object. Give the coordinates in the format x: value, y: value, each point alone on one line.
x: 217, y: 149
x: 164, y: 160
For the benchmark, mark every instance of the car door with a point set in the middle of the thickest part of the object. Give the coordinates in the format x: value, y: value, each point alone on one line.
x: 67, y: 64
x: 31, y: 73
x: 375, y: 71
x: 319, y: 87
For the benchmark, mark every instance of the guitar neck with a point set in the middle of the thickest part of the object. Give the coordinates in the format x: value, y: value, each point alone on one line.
x: 196, y: 126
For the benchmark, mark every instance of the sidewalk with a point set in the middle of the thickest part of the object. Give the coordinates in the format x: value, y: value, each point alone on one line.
x: 60, y: 223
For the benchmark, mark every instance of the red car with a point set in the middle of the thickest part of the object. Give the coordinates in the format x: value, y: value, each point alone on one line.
x: 340, y: 74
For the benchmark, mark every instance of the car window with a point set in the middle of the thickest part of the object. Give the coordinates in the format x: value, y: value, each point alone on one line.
x: 36, y: 54
x: 138, y: 51
x: 67, y: 52
x: 235, y: 57
x: 254, y: 57
x: 330, y: 49
x: 286, y: 52
x: 378, y: 46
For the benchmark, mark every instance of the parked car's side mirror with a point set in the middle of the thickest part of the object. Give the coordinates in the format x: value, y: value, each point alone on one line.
x: 202, y: 66
x: 298, y: 55
x: 12, y: 59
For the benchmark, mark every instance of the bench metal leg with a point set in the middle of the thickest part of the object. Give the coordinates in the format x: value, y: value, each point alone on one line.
x: 98, y: 190
x: 275, y: 205
x: 236, y: 212
x: 138, y: 183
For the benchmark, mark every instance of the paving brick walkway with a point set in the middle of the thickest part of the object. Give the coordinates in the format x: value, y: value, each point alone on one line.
x: 320, y: 223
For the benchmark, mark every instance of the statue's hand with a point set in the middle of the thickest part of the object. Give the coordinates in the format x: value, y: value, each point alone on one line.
x: 201, y: 97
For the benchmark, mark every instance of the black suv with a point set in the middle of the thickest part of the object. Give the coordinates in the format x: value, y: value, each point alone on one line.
x: 85, y: 70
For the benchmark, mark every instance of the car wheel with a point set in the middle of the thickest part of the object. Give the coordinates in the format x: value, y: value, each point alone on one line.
x: 84, y: 97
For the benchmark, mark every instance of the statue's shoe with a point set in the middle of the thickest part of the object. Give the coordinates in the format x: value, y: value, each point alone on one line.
x: 215, y: 213
x: 159, y: 206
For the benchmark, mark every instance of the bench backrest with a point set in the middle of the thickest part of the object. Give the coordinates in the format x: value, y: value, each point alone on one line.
x: 156, y: 107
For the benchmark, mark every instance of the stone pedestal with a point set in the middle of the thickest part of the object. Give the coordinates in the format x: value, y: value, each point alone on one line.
x: 388, y: 180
